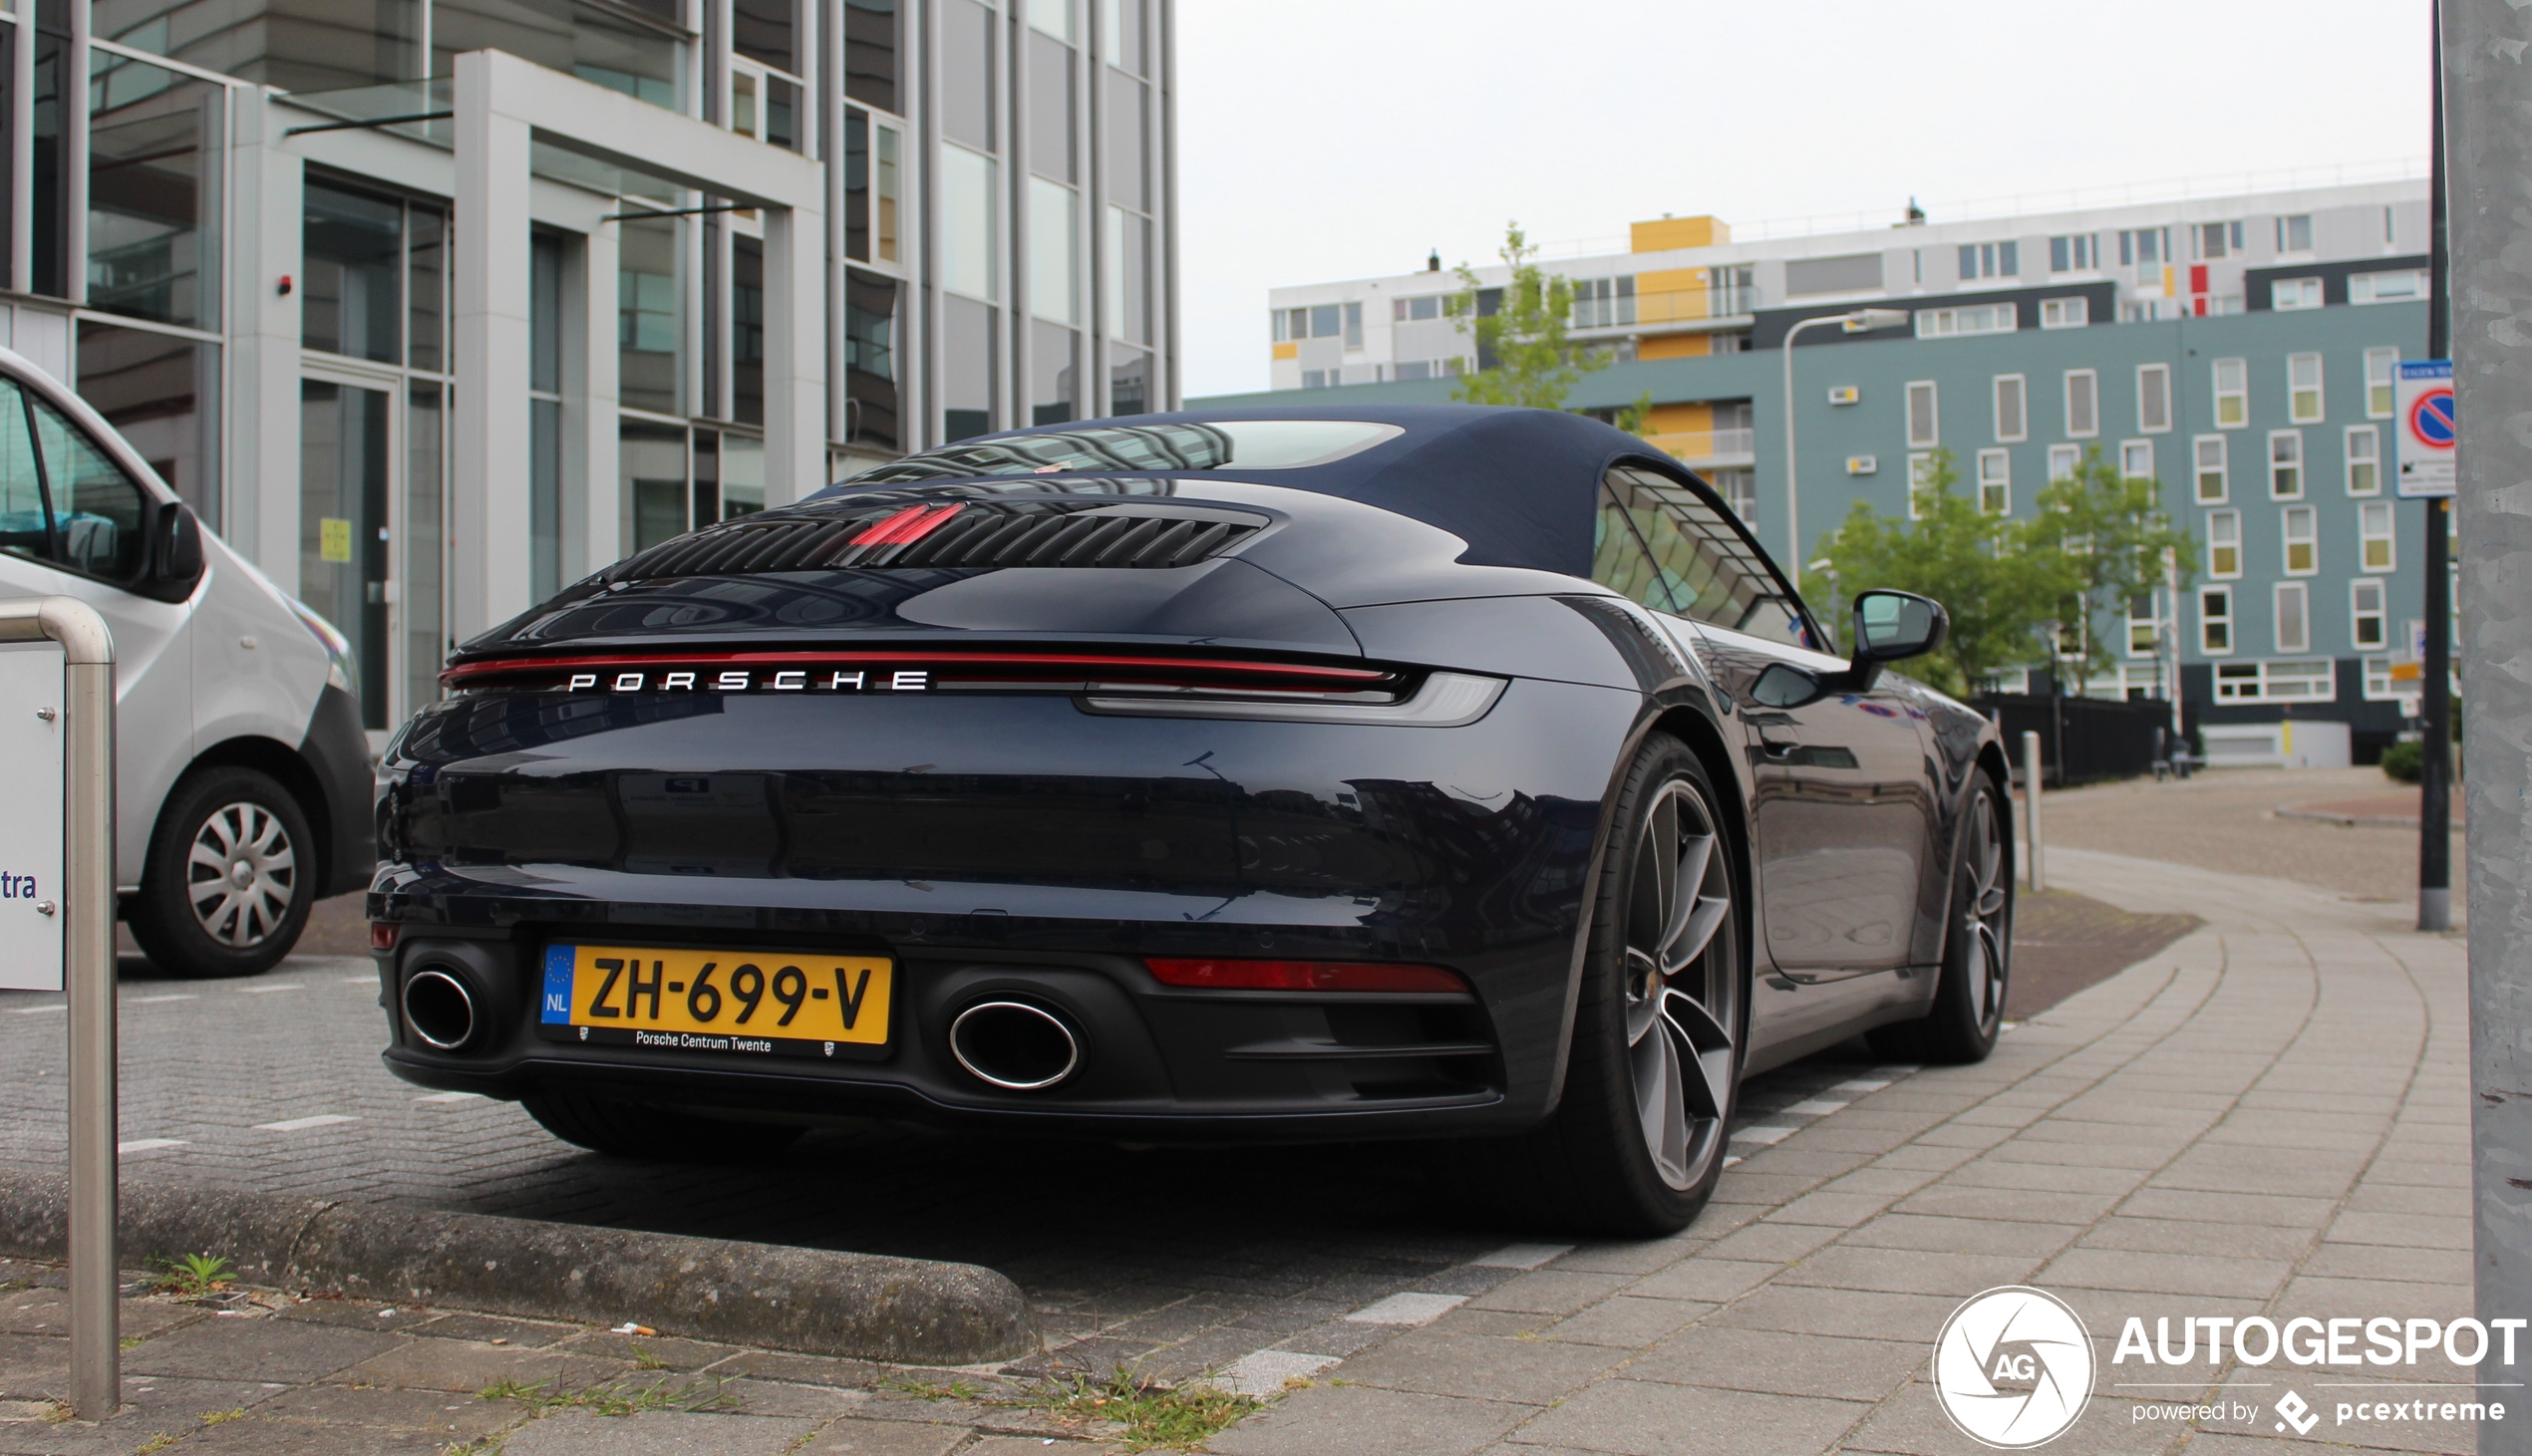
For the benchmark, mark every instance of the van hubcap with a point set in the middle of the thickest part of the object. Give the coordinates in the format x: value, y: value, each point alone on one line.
x: 242, y: 872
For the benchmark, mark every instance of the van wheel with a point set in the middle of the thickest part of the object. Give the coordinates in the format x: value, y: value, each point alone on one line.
x: 231, y: 877
x: 660, y: 1134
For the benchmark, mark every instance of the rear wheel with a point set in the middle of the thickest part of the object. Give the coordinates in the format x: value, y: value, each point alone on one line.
x: 1978, y: 946
x: 1637, y: 1143
x: 230, y: 879
x: 638, y: 1130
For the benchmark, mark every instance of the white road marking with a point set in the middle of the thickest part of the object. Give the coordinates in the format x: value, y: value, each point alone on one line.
x: 301, y: 1125
x: 151, y: 1001
x: 1408, y: 1309
x: 1765, y: 1134
x: 150, y: 1144
x: 1730, y: 1158
x: 1813, y: 1108
x: 38, y: 1010
x: 269, y: 989
x: 1262, y: 1373
x: 454, y: 1097
x: 1860, y: 1085
x: 1520, y: 1256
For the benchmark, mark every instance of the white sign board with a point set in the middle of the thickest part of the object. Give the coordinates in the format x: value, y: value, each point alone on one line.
x: 31, y: 698
x: 2422, y: 425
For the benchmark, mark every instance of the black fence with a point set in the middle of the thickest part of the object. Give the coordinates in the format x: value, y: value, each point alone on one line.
x: 2082, y: 739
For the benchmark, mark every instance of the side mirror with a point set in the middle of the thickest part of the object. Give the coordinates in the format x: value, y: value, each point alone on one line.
x: 175, y: 551
x: 1890, y: 625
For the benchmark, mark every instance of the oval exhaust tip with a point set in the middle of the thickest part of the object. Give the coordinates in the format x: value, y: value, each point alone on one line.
x: 1014, y: 1045
x: 440, y: 1010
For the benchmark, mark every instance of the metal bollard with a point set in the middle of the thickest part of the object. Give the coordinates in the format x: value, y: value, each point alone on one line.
x: 2030, y: 809
x: 88, y: 980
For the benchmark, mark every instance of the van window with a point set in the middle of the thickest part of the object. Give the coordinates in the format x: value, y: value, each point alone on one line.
x: 26, y: 528
x: 97, y: 509
x: 1665, y: 545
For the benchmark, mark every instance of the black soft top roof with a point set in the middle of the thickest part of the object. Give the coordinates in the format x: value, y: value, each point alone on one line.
x: 1518, y: 486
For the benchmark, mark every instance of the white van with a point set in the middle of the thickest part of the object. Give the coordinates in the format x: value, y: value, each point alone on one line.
x: 241, y: 772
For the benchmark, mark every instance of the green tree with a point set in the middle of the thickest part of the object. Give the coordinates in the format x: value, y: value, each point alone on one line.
x: 2105, y: 535
x: 1524, y: 336
x: 2001, y: 597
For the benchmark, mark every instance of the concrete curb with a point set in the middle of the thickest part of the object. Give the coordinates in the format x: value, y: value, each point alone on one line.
x: 869, y: 1306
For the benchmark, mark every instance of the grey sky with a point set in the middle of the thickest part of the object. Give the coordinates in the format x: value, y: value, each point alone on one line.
x: 1333, y: 138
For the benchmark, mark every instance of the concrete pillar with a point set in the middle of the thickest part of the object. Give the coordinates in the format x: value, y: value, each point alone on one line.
x: 2487, y: 58
x: 794, y: 353
x: 488, y: 449
x: 261, y: 445
x: 589, y: 404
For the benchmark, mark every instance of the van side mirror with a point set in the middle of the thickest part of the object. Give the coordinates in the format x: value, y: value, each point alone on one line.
x: 1891, y: 626
x: 176, y: 552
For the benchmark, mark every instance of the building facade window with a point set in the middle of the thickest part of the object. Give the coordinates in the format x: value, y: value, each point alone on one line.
x: 2145, y: 626
x: 2064, y: 313
x: 2212, y: 489
x: 1920, y: 478
x: 2364, y: 460
x: 1995, y: 482
x: 2224, y: 544
x: 2146, y: 250
x: 2064, y: 461
x: 2084, y: 403
x: 1990, y: 260
x: 2287, y: 294
x: 2299, y: 527
x: 2293, y: 617
x: 2136, y: 459
x: 2232, y: 379
x: 2303, y: 389
x: 2375, y: 541
x: 2295, y: 233
x: 2075, y: 252
x: 2011, y: 418
x: 2366, y: 621
x: 1740, y: 490
x: 1601, y: 303
x: 2153, y: 397
x: 2215, y: 621
x: 1924, y: 419
x: 2381, y: 371
x: 2307, y: 680
x: 1946, y: 323
x: 2286, y: 464
x: 2407, y: 285
x: 2215, y: 242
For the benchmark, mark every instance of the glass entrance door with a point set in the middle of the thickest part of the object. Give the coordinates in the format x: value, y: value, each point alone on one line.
x: 345, y: 536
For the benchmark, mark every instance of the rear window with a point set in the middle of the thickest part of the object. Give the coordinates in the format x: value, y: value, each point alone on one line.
x: 1215, y: 444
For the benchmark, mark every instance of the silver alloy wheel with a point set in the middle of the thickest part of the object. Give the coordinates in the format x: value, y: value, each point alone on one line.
x: 1983, y: 905
x: 242, y: 873
x: 1682, y: 985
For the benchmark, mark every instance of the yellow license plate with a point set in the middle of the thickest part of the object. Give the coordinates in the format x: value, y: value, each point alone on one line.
x: 765, y: 1003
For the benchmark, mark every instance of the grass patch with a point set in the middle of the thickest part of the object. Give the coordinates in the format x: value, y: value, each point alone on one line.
x: 702, y: 1393
x: 958, y: 1389
x: 223, y: 1417
x: 645, y: 1360
x: 154, y: 1444
x: 190, y: 1276
x: 1152, y: 1416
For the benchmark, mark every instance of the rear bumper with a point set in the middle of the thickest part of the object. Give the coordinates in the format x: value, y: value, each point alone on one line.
x: 1039, y: 853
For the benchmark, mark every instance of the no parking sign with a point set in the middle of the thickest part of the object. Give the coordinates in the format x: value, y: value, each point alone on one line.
x: 2425, y: 429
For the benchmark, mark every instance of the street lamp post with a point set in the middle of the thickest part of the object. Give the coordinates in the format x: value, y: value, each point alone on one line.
x: 1854, y: 321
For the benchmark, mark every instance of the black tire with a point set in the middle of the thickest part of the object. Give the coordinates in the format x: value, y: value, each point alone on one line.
x: 194, y: 920
x: 1967, y: 1013
x: 661, y: 1134
x: 1618, y: 1158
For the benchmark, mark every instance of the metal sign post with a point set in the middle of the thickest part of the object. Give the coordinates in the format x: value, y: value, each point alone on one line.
x: 73, y: 913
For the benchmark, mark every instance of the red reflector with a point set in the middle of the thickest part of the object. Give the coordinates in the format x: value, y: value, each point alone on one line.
x: 381, y: 934
x: 1304, y: 976
x: 907, y: 526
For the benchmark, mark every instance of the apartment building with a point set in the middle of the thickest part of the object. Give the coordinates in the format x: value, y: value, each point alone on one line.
x: 431, y: 306
x: 2237, y: 349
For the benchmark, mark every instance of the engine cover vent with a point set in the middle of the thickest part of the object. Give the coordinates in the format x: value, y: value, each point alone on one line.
x: 949, y: 534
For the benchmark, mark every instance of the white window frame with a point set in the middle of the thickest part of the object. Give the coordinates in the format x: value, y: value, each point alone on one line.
x: 2267, y: 682
x: 2298, y: 525
x: 1933, y: 437
x: 2223, y: 535
x: 1966, y: 321
x: 1919, y: 466
x: 2130, y: 452
x: 1995, y: 482
x: 2357, y: 615
x: 2152, y: 622
x: 2301, y: 617
x: 2278, y: 466
x: 2224, y: 619
x: 2367, y: 287
x: 2303, y: 402
x: 2083, y: 384
x: 2064, y: 461
x: 2066, y: 313
x: 2364, y: 446
x: 2020, y: 421
x: 2286, y: 295
x: 2285, y: 232
x: 2231, y: 381
x: 2381, y: 382
x: 2202, y: 469
x: 2377, y: 525
x: 2153, y: 387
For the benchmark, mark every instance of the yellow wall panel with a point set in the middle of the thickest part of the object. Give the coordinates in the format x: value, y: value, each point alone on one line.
x: 1666, y: 233
x: 1675, y: 419
x: 1674, y: 346
x: 1287, y: 351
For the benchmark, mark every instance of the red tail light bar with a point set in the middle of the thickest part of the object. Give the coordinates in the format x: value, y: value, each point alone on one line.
x: 1338, y: 976
x: 902, y: 671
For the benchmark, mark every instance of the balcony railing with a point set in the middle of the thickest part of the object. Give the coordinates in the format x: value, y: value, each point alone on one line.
x: 1671, y: 306
x: 1705, y: 445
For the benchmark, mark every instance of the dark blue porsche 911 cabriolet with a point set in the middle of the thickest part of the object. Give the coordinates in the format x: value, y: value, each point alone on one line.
x: 1421, y: 772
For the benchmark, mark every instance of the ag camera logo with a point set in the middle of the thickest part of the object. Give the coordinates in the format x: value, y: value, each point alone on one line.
x: 2013, y: 1367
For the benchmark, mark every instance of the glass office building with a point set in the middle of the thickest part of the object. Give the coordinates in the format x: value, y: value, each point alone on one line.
x: 431, y: 306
